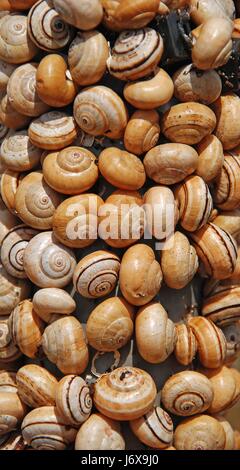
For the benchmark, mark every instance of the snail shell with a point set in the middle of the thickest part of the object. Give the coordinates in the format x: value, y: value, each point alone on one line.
x: 64, y: 344
x: 227, y: 109
x: 45, y: 27
x: 53, y: 131
x: 216, y: 249
x: 179, y: 262
x: 202, y: 10
x: 188, y: 123
x: 26, y: 328
x: 16, y: 4
x: 229, y: 221
x: 110, y: 325
x: 122, y: 169
x: 9, y: 117
x: 187, y: 393
x: 6, y: 71
x: 100, y: 111
x: 142, y: 131
x: 186, y: 344
x: 12, y: 291
x: 151, y: 93
x: 13, y: 247
x: 17, y: 152
x: 222, y: 305
x: 212, y: 344
x: 232, y: 334
x: 212, y: 43
x: 51, y: 70
x: 47, y: 262
x: 12, y: 441
x: 83, y: 15
x: 96, y: 275
x: 128, y: 10
x: 8, y: 381
x: 43, y: 429
x: 75, y: 220
x: 237, y: 440
x: 161, y: 208
x: 122, y: 219
x: 236, y: 375
x: 12, y: 412
x: 73, y: 400
x: 9, y: 352
x: 99, y: 433
x: 226, y: 193
x: 87, y: 57
x: 170, y: 163
x: 210, y: 158
x: 10, y: 181
x: 50, y: 301
x: 22, y: 94
x: 125, y: 394
x: 140, y: 275
x: 155, y: 333
x: 15, y: 45
x: 36, y: 386
x: 195, y: 203
x: 111, y: 19
x: 229, y: 433
x: 36, y: 202
x: 154, y: 429
x: 200, y: 432
x: 224, y: 388
x: 71, y: 171
x: 191, y: 84
x: 135, y: 54
x: 7, y: 220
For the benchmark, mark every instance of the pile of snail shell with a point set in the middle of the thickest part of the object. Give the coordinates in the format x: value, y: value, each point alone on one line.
x: 90, y: 115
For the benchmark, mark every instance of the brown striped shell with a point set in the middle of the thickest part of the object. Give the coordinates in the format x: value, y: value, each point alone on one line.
x: 195, y: 203
x: 212, y: 344
x: 199, y: 432
x: 222, y: 305
x: 82, y: 15
x: 15, y: 45
x: 8, y: 381
x: 227, y: 109
x: 191, y: 84
x: 43, y: 429
x: 73, y: 400
x: 51, y: 301
x: 229, y: 221
x: 18, y: 153
x: 226, y: 193
x: 9, y: 352
x: 186, y: 344
x: 125, y: 394
x: 96, y: 274
x: 99, y: 433
x: 9, y: 183
x: 53, y: 131
x: 36, y: 386
x: 12, y: 291
x: 13, y: 247
x: 154, y: 429
x: 142, y: 131
x: 12, y: 412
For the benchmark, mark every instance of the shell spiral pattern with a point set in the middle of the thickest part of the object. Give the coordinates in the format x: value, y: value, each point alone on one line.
x: 73, y: 400
x: 15, y: 45
x: 154, y: 429
x: 17, y: 152
x: 9, y: 352
x: 12, y: 290
x: 53, y: 131
x: 226, y: 192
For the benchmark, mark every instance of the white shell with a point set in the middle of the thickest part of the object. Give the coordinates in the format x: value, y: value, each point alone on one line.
x: 73, y: 400
x: 99, y: 433
x: 17, y: 152
x: 15, y: 45
x: 50, y: 301
x: 9, y: 352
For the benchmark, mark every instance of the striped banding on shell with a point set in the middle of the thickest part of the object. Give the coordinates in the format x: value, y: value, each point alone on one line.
x: 154, y: 429
x: 73, y: 400
x: 15, y: 45
x: 96, y: 275
x: 45, y: 27
x: 12, y: 291
x: 222, y: 306
x: 18, y: 153
x: 135, y: 54
x: 8, y: 381
x: 53, y: 131
x: 9, y: 352
x: 36, y: 386
x: 186, y: 345
x: 226, y: 193
x: 13, y: 441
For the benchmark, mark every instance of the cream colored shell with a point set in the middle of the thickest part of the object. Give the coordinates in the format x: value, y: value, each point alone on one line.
x: 83, y: 15
x: 186, y: 344
x: 160, y: 199
x: 8, y: 381
x: 227, y: 109
x: 224, y: 387
x: 73, y: 400
x: 12, y: 291
x: 221, y: 305
x: 212, y: 344
x: 200, y: 432
x: 12, y: 412
x: 202, y: 10
x: 9, y: 352
x: 210, y: 158
x: 229, y: 433
x: 18, y: 153
x: 15, y: 45
x: 53, y: 131
x: 99, y: 433
x: 142, y: 131
x: 226, y: 191
x: 51, y: 301
x: 154, y: 429
x: 191, y: 84
x: 9, y: 117
x: 7, y: 222
x: 36, y: 386
x: 9, y: 183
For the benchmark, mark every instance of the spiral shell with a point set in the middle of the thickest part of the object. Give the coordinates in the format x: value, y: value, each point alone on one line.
x: 9, y: 117
x: 96, y: 275
x: 191, y: 84
x: 36, y: 386
x: 9, y: 183
x: 26, y: 328
x: 73, y: 400
x: 154, y: 429
x: 160, y: 207
x: 71, y: 171
x: 232, y: 335
x: 22, y: 94
x: 229, y: 433
x: 140, y: 275
x: 83, y: 15
x: 142, y: 131
x: 7, y: 222
x: 43, y: 429
x: 216, y: 249
x: 53, y: 131
x: 75, y: 221
x: 135, y: 54
x: 122, y: 169
x: 210, y: 158
x: 226, y: 193
x: 13, y: 247
x: 69, y: 357
x: 170, y: 163
x: 222, y: 305
x: 6, y: 71
x: 15, y: 45
x: 47, y: 263
x: 36, y: 202
x: 110, y: 325
x: 50, y: 301
x: 45, y: 27
x: 17, y: 152
x: 155, y: 333
x: 224, y: 388
x: 200, y: 432
x: 186, y: 344
x: 87, y: 57
x: 229, y: 221
x: 227, y: 109
x: 187, y: 393
x: 12, y: 412
x: 99, y: 433
x: 195, y: 203
x: 212, y: 344
x: 8, y: 381
x: 100, y: 111
x: 12, y: 291
x: 125, y: 394
x: 9, y: 352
